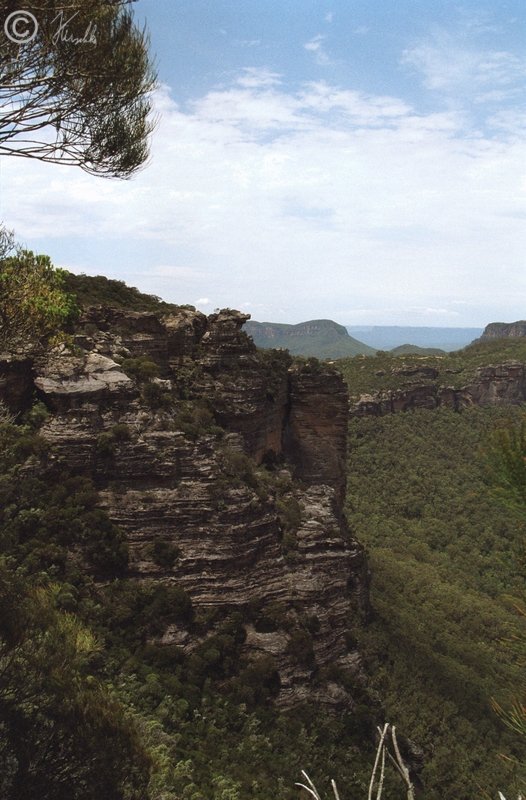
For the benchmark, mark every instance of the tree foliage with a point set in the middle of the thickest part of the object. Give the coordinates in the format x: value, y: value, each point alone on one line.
x: 53, y: 715
x: 507, y: 462
x: 33, y: 303
x: 79, y: 91
x: 443, y: 552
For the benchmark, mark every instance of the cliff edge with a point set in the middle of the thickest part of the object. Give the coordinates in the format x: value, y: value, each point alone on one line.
x: 224, y: 467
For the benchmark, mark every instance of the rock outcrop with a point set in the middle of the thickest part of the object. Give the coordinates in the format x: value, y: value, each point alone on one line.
x: 502, y: 384
x: 504, y: 330
x: 226, y: 472
x: 316, y: 427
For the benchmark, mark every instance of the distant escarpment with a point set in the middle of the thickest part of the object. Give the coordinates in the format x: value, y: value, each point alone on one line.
x: 224, y: 466
x: 489, y: 372
x: 504, y: 330
x: 319, y: 338
x: 500, y: 384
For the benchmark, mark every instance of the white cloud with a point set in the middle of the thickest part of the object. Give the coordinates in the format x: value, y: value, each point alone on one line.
x: 316, y: 47
x: 457, y: 65
x: 358, y: 107
x: 307, y: 201
x: 329, y: 17
x: 439, y: 312
x: 248, y: 42
x: 255, y: 77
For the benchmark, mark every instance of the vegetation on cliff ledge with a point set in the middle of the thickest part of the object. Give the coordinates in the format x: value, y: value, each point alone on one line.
x: 34, y: 303
x: 386, y: 372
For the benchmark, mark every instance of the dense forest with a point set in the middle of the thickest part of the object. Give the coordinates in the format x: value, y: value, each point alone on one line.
x: 446, y: 549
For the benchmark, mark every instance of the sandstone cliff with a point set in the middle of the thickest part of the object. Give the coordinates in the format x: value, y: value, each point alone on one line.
x: 501, y: 384
x: 504, y: 330
x: 225, y: 468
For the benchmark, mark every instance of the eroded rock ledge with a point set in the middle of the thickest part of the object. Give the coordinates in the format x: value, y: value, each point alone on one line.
x: 501, y: 384
x: 168, y: 454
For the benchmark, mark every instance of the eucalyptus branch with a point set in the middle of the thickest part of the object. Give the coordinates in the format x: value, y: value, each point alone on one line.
x: 94, y: 99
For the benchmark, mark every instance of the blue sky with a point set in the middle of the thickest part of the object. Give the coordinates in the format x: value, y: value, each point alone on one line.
x: 362, y: 161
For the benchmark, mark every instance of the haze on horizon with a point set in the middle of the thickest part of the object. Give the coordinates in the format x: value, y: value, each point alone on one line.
x: 363, y: 162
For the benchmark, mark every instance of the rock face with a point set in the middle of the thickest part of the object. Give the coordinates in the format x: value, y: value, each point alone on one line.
x: 316, y: 427
x: 502, y: 384
x: 70, y: 380
x: 175, y: 457
x: 504, y: 330
x: 16, y: 382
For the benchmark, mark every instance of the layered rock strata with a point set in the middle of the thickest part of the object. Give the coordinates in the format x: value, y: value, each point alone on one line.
x: 181, y: 461
x: 502, y: 384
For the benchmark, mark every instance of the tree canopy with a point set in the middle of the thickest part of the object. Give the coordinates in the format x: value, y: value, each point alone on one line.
x: 75, y: 85
x: 33, y: 303
x: 53, y: 714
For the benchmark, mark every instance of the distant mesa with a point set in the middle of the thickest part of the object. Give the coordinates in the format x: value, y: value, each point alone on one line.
x: 321, y: 338
x: 504, y: 330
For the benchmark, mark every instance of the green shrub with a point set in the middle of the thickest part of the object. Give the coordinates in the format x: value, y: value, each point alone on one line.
x: 136, y: 612
x: 289, y: 511
x: 165, y: 554
x: 258, y: 682
x: 239, y: 467
x: 271, y: 618
x: 289, y: 542
x: 170, y: 602
x: 203, y: 416
x: 156, y: 397
x: 105, y: 445
x: 121, y: 433
x: 107, y: 441
x: 141, y: 368
x: 104, y: 545
x: 37, y: 415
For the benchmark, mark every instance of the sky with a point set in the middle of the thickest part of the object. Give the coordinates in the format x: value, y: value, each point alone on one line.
x: 358, y: 160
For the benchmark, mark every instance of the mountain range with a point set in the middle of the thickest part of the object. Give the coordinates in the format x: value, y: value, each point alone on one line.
x: 386, y: 337
x: 324, y: 338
